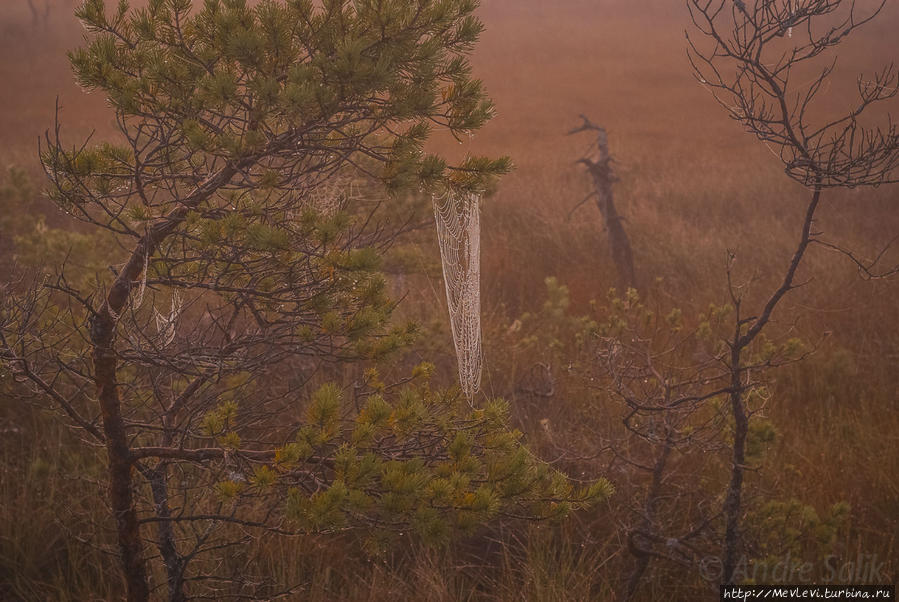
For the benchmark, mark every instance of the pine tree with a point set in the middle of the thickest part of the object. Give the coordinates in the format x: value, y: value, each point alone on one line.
x: 268, y: 155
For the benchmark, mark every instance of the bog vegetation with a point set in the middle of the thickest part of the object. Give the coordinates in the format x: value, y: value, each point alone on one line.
x: 227, y: 368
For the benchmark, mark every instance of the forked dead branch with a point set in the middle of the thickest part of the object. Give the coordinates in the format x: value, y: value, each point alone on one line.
x: 599, y: 166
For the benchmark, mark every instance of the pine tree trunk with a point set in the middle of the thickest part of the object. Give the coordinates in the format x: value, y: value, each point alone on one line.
x: 102, y: 336
x: 120, y: 483
x: 174, y: 564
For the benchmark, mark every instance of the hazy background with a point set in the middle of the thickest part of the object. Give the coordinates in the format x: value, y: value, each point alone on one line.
x: 692, y: 185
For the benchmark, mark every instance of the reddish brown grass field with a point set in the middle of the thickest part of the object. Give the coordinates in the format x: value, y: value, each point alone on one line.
x: 692, y: 185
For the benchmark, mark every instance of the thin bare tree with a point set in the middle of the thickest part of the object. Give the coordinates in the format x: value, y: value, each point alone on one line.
x: 755, y: 58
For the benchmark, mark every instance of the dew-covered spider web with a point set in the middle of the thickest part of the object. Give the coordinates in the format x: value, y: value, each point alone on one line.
x: 459, y: 236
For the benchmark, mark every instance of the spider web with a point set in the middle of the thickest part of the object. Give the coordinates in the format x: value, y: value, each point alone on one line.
x: 459, y: 235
